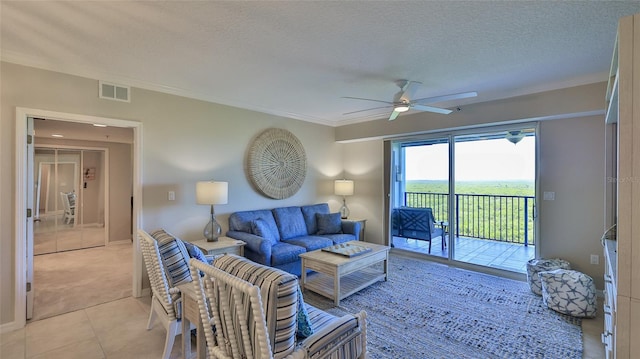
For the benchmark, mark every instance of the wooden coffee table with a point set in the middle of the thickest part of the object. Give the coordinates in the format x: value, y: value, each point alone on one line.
x: 338, y: 276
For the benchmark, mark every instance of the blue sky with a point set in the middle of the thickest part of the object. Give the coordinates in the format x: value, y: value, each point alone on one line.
x: 487, y: 160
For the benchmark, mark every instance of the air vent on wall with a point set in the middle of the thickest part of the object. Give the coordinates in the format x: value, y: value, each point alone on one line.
x: 110, y: 91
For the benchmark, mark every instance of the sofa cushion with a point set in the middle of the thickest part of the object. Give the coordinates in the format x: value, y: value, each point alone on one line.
x: 241, y: 221
x: 309, y: 214
x: 283, y: 253
x: 278, y: 290
x: 310, y: 243
x: 340, y: 237
x: 260, y: 228
x: 175, y: 258
x: 330, y: 223
x: 290, y: 222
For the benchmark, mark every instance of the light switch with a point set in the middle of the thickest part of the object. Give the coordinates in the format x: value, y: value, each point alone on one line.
x: 172, y: 195
x: 549, y: 196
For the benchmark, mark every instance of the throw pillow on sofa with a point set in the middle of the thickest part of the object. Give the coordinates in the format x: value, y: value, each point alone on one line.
x: 260, y: 228
x: 329, y: 223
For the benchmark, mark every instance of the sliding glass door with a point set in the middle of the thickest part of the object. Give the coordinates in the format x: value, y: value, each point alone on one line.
x: 69, y: 196
x: 421, y: 181
x: 478, y: 188
x: 495, y: 198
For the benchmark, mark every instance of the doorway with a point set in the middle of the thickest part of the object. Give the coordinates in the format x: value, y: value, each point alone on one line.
x: 479, y: 189
x: 24, y: 201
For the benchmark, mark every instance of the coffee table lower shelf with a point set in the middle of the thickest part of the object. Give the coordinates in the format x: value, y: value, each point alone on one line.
x: 351, y: 283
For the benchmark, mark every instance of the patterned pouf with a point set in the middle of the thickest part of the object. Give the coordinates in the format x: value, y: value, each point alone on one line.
x: 535, y: 266
x: 569, y: 292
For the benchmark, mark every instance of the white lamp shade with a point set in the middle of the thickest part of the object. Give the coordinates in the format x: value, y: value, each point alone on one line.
x: 343, y: 187
x: 210, y: 192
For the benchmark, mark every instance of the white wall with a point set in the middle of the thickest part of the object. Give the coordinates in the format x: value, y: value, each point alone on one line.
x: 184, y: 141
x: 572, y: 166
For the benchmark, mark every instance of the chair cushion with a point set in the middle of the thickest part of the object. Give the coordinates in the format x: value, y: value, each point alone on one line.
x: 569, y: 292
x: 290, y: 222
x: 260, y: 228
x: 319, y: 318
x: 175, y: 257
x: 330, y: 223
x: 283, y: 253
x: 309, y: 214
x: 278, y: 290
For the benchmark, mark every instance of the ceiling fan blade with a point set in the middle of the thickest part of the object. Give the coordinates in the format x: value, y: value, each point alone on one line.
x: 367, y: 99
x: 368, y: 109
x: 456, y: 96
x: 443, y: 111
x: 408, y: 90
x: 393, y: 115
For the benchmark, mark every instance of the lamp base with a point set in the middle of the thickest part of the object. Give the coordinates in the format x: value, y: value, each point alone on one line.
x: 212, y: 230
x: 344, y: 211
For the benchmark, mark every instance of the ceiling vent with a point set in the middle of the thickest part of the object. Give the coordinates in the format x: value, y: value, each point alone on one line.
x: 110, y: 91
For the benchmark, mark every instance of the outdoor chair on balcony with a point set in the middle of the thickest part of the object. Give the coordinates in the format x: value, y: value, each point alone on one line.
x: 415, y: 223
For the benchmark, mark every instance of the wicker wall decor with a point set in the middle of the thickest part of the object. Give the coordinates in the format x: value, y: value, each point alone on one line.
x: 277, y: 163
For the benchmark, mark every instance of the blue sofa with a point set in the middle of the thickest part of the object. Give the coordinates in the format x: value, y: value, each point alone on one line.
x: 276, y: 237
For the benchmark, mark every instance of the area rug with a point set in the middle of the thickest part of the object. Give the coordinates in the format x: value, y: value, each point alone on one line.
x: 431, y: 310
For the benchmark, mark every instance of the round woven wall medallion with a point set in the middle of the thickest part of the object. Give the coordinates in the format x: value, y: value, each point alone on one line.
x: 277, y: 163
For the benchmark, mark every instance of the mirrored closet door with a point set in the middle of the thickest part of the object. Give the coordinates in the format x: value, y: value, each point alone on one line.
x: 69, y: 196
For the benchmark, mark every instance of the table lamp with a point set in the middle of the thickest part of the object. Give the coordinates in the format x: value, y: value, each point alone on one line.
x: 211, y: 192
x: 343, y: 188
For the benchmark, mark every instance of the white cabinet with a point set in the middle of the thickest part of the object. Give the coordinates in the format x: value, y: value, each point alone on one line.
x: 622, y: 196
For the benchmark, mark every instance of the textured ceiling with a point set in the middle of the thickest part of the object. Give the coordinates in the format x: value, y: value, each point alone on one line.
x: 299, y: 58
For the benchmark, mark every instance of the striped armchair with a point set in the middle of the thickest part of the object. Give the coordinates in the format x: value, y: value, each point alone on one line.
x: 256, y: 312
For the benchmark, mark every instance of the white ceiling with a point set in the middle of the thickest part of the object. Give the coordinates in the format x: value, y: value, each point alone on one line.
x: 299, y: 58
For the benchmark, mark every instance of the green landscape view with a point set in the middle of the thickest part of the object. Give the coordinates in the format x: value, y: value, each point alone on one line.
x: 498, y: 210
x: 505, y: 188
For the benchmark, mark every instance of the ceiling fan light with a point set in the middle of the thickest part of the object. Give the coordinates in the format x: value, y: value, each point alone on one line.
x: 401, y: 108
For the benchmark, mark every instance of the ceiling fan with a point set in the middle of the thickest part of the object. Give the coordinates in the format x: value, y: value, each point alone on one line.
x: 402, y: 101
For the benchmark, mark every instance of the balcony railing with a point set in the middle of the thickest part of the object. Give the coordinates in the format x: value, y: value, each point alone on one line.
x: 495, y: 217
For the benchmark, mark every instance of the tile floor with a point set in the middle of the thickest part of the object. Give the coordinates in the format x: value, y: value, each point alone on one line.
x: 112, y: 330
x: 501, y: 255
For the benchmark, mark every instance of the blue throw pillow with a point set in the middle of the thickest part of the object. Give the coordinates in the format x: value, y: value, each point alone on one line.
x: 195, y: 252
x: 304, y: 323
x: 260, y: 228
x: 329, y: 223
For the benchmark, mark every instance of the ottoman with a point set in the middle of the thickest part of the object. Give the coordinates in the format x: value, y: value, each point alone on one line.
x: 569, y: 292
x: 539, y: 265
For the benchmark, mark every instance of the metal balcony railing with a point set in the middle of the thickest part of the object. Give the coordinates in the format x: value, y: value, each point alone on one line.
x: 494, y: 217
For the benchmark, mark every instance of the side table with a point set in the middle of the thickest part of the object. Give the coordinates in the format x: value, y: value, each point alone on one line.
x: 191, y: 316
x: 363, y: 223
x: 224, y: 245
x: 445, y: 227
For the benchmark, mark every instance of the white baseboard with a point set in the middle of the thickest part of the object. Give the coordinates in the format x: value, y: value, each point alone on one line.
x: 120, y: 242
x: 9, y: 327
x: 146, y: 292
